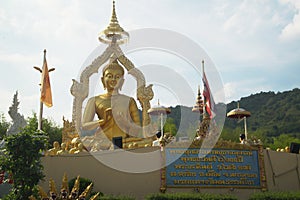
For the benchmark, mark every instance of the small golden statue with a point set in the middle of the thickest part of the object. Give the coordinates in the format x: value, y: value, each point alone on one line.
x: 74, y: 145
x: 63, y: 149
x: 54, y: 150
x: 79, y: 148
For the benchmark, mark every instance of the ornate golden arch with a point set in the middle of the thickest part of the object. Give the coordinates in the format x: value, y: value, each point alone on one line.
x: 80, y: 90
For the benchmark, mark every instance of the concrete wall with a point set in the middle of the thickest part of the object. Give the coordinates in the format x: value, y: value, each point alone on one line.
x: 106, y: 179
x: 282, y: 171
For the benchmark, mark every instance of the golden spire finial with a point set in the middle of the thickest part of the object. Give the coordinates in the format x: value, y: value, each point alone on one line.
x: 75, y: 190
x: 64, y: 184
x: 95, y: 196
x: 114, y: 15
x: 87, y: 190
x: 52, y: 186
x: 199, y: 103
x: 158, y: 102
x: 114, y: 33
x: 42, y: 193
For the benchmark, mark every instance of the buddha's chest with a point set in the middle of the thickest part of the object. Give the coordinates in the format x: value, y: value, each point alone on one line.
x: 117, y: 104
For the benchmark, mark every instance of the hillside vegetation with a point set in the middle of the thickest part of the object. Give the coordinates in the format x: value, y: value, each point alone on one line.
x: 275, y: 118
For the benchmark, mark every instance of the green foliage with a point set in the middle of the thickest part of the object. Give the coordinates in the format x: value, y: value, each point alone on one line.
x: 10, y: 196
x: 183, y: 118
x: 21, y: 158
x: 283, y: 141
x: 53, y: 130
x: 83, y: 183
x: 275, y: 196
x: 3, y: 126
x: 231, y: 135
x: 189, y: 196
x: 170, y: 126
x: 112, y: 197
x: 272, y: 115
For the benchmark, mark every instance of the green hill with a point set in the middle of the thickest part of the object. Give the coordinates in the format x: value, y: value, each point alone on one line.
x: 273, y: 114
x: 275, y: 118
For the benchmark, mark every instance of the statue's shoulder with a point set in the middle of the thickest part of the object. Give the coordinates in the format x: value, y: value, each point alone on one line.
x: 125, y: 97
x: 100, y: 97
x: 93, y: 100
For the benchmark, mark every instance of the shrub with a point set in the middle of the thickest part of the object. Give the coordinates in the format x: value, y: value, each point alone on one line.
x: 275, y: 196
x: 189, y: 196
x: 112, y: 197
x: 21, y: 158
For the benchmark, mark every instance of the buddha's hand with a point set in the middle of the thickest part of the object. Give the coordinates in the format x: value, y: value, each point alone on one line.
x: 107, y: 114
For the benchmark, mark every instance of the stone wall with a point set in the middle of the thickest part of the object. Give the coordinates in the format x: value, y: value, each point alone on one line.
x: 282, y: 171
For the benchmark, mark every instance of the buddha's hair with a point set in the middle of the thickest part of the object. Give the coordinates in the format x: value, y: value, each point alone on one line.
x: 113, y: 65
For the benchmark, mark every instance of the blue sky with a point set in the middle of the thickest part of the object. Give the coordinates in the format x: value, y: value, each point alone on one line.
x: 254, y: 44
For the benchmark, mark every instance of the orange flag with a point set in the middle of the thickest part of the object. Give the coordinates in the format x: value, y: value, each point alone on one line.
x: 46, y: 95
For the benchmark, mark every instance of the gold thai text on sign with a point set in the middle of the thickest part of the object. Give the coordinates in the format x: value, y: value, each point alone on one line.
x: 212, y: 168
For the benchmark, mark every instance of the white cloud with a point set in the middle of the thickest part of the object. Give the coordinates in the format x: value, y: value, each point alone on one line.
x: 292, y: 30
x: 17, y: 58
x: 237, y: 35
x: 247, y: 18
x: 230, y: 91
x: 235, y: 90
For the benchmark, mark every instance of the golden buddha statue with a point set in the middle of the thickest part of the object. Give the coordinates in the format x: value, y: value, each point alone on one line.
x: 63, y: 149
x: 53, y: 151
x: 118, y: 114
x: 79, y: 148
x: 75, y: 142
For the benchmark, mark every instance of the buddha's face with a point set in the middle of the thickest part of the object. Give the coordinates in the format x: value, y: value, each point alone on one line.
x: 56, y: 145
x: 112, y: 79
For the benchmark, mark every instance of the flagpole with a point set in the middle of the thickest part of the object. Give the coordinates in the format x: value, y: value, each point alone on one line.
x: 40, y: 121
x: 42, y: 71
x: 245, y: 126
x: 204, y: 100
x: 40, y: 116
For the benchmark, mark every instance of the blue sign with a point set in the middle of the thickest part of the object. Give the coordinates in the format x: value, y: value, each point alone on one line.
x: 215, y: 168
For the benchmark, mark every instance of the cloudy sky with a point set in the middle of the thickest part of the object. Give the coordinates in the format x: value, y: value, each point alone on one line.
x: 254, y: 44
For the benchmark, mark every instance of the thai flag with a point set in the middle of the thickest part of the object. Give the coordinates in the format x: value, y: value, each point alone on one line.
x: 208, y: 98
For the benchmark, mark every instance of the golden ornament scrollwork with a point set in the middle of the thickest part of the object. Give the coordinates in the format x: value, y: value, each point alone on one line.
x: 80, y: 89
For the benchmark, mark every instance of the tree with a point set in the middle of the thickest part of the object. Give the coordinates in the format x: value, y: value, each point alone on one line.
x: 21, y: 158
x: 3, y: 126
x: 54, y: 131
x: 170, y: 126
x: 283, y: 141
x: 231, y: 134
